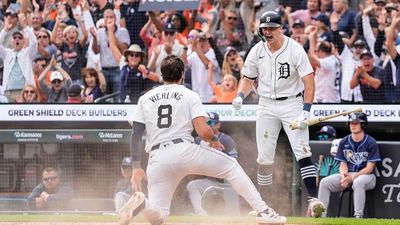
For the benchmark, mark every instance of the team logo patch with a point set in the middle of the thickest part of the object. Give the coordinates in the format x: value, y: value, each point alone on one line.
x: 284, y: 70
x: 355, y: 158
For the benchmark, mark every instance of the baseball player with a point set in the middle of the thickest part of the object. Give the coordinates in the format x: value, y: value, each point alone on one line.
x: 328, y: 133
x: 284, y: 73
x: 358, y: 153
x: 169, y: 113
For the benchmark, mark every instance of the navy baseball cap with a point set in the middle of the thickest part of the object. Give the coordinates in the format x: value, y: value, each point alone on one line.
x: 127, y: 161
x: 323, y: 18
x: 298, y: 23
x: 365, y: 52
x: 214, y: 118
x: 329, y: 130
x: 169, y: 27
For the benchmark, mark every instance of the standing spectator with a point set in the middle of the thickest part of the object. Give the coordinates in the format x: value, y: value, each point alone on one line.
x: 370, y: 78
x: 169, y: 47
x: 327, y: 75
x: 60, y: 81
x: 74, y: 93
x: 101, y: 44
x: 101, y: 7
x: 39, y: 65
x: 36, y: 22
x: 94, y: 84
x: 18, y: 59
x: 45, y: 48
x: 298, y: 32
x: 197, y: 188
x: 323, y: 25
x: 228, y: 34
x: 233, y: 63
x: 64, y: 15
x: 134, y: 20
x: 305, y: 15
x: 343, y: 19
x: 123, y: 189
x: 52, y: 194
x: 29, y: 94
x: 358, y: 153
x: 224, y: 92
x: 207, y: 13
x: 198, y: 61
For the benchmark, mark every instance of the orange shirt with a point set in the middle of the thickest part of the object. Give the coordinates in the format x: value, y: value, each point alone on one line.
x: 223, y: 96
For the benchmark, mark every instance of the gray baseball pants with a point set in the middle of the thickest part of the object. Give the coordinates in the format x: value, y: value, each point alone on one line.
x: 360, y: 185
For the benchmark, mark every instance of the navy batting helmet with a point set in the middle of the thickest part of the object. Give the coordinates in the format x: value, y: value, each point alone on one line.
x: 327, y: 130
x: 359, y: 117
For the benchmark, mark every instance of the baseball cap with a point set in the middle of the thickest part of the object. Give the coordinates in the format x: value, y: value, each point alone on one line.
x: 17, y: 32
x: 360, y: 43
x: 298, y: 23
x: 365, y: 52
x: 126, y: 161
x: 55, y: 75
x: 169, y: 27
x: 74, y: 90
x: 378, y: 1
x: 391, y: 6
x: 323, y: 18
x: 328, y: 130
x: 11, y: 11
x: 228, y: 50
x: 214, y: 118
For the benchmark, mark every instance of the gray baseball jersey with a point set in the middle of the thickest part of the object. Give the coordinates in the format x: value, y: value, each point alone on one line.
x: 278, y: 73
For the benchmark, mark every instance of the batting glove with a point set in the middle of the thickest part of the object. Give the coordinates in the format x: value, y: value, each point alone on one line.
x: 237, y: 103
x: 302, y: 119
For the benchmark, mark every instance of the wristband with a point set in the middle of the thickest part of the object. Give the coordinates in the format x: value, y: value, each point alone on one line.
x: 241, y: 94
x: 307, y: 107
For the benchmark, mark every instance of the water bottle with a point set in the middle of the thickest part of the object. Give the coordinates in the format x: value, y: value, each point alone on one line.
x: 127, y: 99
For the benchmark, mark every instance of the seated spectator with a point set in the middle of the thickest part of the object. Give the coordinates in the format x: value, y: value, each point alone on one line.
x: 123, y: 190
x: 18, y: 60
x: 74, y: 93
x: 226, y: 91
x: 29, y: 94
x: 232, y: 63
x: 196, y: 188
x: 94, y: 84
x: 60, y: 81
x: 52, y: 194
x: 370, y: 78
x: 358, y: 153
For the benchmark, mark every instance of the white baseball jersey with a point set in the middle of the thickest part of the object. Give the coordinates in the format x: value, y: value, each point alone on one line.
x: 327, y: 80
x: 168, y: 111
x: 279, y: 73
x: 349, y: 64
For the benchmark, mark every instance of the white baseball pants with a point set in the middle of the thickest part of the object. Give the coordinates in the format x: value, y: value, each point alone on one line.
x: 169, y: 164
x: 271, y: 116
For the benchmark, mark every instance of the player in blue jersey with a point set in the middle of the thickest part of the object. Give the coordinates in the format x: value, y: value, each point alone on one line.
x: 358, y: 153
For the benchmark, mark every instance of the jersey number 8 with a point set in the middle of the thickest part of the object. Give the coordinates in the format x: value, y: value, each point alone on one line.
x: 164, y: 116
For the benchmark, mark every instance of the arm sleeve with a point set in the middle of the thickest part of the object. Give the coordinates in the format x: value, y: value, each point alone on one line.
x: 379, y: 43
x: 136, y: 137
x: 218, y: 55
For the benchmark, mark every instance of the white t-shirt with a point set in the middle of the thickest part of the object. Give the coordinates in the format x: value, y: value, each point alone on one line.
x: 327, y: 80
x: 349, y: 64
x: 279, y: 73
x: 167, y: 112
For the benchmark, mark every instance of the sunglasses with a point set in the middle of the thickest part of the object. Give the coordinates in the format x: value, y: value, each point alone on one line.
x: 232, y: 18
x: 137, y: 55
x: 323, y: 137
x: 42, y: 36
x: 18, y: 37
x: 29, y: 91
x: 169, y: 33
x: 211, y: 123
x: 49, y: 179
x: 56, y: 81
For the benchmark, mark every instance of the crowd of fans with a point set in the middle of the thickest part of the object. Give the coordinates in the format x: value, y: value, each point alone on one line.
x: 80, y: 51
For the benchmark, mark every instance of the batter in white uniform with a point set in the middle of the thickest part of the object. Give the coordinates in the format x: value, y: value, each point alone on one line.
x: 284, y: 72
x: 169, y: 113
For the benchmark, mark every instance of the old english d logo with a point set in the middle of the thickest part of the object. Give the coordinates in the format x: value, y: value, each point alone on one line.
x: 284, y: 70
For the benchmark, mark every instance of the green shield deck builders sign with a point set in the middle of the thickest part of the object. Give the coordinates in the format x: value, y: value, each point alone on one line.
x: 63, y: 136
x: 162, y: 5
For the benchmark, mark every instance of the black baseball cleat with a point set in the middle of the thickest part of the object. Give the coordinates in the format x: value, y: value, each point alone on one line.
x: 269, y: 216
x: 133, y: 207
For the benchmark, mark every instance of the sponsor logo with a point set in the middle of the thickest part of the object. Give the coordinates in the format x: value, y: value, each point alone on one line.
x: 110, y: 136
x: 74, y: 137
x: 27, y: 136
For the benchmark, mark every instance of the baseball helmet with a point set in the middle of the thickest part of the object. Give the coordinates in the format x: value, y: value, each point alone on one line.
x: 329, y: 130
x: 359, y: 117
x: 269, y: 19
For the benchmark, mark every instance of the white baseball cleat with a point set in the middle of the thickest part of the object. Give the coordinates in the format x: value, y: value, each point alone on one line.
x: 269, y: 216
x: 317, y: 208
x: 133, y: 207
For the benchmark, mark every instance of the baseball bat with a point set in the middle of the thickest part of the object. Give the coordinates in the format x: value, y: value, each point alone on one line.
x: 316, y: 120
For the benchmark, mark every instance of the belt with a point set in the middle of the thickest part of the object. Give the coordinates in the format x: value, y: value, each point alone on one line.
x: 110, y: 68
x: 284, y: 98
x: 175, y: 141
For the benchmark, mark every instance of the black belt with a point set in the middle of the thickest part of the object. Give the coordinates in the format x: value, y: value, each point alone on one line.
x: 284, y: 98
x: 175, y: 141
x: 110, y: 68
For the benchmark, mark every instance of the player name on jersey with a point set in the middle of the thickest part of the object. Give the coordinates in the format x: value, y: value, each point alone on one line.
x: 166, y: 95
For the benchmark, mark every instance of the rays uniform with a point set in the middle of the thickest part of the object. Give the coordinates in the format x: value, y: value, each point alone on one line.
x: 280, y: 88
x: 167, y: 113
x: 356, y: 155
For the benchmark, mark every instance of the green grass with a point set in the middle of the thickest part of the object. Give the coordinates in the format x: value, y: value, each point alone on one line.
x: 191, y: 219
